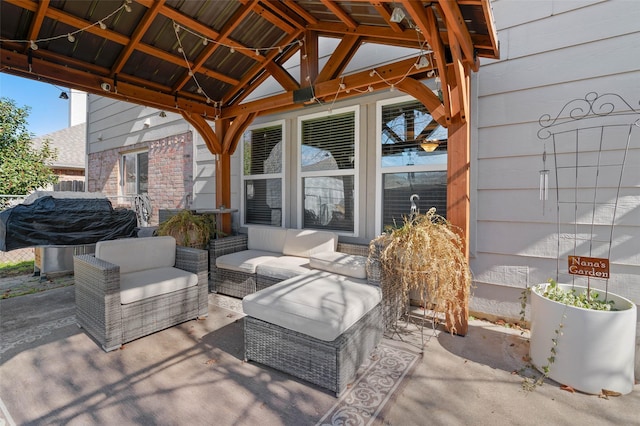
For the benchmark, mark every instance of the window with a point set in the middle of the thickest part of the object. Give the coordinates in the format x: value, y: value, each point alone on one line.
x: 135, y: 173
x: 412, y: 152
x: 328, y: 158
x: 262, y: 175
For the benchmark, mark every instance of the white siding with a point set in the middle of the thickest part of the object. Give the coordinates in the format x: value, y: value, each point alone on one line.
x: 116, y: 124
x: 550, y: 54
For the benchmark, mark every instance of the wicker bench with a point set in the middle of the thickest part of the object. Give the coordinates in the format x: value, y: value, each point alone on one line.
x: 243, y: 264
x: 136, y: 286
x: 318, y: 327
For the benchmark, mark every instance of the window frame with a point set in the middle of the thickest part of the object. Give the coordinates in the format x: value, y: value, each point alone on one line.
x: 265, y: 176
x: 380, y: 171
x: 355, y: 171
x: 135, y: 154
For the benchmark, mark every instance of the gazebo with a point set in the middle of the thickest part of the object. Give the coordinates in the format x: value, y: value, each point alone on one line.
x: 142, y: 52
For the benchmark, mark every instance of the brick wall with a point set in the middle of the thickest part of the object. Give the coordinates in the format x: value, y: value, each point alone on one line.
x: 170, y: 173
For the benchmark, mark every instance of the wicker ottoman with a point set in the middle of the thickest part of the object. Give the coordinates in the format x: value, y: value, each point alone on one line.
x: 319, y: 327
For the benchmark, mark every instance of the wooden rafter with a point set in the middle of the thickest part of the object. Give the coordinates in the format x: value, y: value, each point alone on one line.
x: 457, y: 27
x: 36, y: 24
x: 340, y: 13
x: 233, y: 23
x: 340, y: 57
x: 141, y: 29
x: 427, y: 23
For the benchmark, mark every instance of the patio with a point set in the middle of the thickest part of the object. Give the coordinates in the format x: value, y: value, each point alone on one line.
x: 53, y: 373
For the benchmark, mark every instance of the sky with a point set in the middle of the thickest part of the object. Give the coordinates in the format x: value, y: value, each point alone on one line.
x: 48, y: 112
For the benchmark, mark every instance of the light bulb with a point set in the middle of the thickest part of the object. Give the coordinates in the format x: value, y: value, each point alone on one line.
x: 279, y: 49
x: 205, y: 41
x: 71, y: 38
x: 370, y: 89
x: 232, y: 50
x: 102, y: 25
x: 33, y: 45
x: 372, y: 73
x: 300, y: 43
x: 343, y: 86
x: 127, y: 7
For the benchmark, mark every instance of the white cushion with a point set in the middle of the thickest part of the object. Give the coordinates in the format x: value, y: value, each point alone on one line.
x: 318, y: 304
x: 245, y: 260
x: 284, y: 267
x: 140, y: 285
x: 266, y: 238
x: 138, y: 254
x: 304, y: 242
x: 341, y: 263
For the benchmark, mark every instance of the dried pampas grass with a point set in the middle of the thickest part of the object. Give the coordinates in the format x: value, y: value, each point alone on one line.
x: 425, y: 254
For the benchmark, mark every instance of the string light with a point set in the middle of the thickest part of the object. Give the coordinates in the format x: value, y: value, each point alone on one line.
x: 421, y: 62
x: 33, y: 44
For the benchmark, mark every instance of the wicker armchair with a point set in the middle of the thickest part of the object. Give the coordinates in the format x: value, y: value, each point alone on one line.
x: 101, y: 313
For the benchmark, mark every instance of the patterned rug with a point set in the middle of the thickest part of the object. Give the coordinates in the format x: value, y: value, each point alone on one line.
x: 378, y: 379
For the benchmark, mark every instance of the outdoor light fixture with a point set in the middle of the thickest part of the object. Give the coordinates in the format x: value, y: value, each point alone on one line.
x: 429, y: 146
x: 397, y: 15
x: 423, y: 62
x: 106, y: 87
x: 63, y: 95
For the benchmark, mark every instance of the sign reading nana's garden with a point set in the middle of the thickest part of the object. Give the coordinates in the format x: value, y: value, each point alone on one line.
x: 594, y: 267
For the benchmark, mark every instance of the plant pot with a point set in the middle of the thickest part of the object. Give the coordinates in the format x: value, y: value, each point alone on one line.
x: 595, y: 349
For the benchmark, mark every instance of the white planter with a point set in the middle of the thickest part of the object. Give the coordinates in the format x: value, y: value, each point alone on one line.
x: 596, y: 349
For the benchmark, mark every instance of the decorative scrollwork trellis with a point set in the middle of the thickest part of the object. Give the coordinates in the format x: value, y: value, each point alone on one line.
x: 588, y: 136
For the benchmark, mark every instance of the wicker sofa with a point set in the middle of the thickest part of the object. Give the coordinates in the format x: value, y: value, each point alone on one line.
x: 242, y: 264
x: 133, y: 287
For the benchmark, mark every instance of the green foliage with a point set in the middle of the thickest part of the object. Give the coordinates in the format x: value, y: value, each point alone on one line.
x: 189, y: 229
x: 23, y: 167
x: 12, y: 269
x: 589, y: 299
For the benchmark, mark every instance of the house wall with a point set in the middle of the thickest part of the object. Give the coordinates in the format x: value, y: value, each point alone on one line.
x: 117, y: 127
x: 550, y: 54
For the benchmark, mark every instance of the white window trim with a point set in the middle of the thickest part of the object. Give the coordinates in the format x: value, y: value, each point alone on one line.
x: 355, y: 171
x: 383, y: 170
x: 281, y: 175
x: 121, y: 171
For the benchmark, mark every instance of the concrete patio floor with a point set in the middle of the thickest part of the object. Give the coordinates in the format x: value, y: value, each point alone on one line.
x: 52, y: 373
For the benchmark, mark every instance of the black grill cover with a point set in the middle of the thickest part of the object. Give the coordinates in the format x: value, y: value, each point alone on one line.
x: 64, y: 221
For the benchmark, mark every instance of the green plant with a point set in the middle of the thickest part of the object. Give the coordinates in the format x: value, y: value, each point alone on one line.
x: 189, y: 229
x: 589, y: 299
x: 426, y: 254
x: 24, y: 167
x: 12, y: 269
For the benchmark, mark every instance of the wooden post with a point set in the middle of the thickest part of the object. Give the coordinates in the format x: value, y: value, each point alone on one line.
x: 458, y: 164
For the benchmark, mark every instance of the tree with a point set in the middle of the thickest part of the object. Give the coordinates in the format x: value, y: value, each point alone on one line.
x: 23, y: 167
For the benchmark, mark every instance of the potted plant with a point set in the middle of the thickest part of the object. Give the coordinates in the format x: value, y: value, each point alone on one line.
x: 424, y: 255
x: 189, y: 229
x: 580, y: 337
x: 583, y: 338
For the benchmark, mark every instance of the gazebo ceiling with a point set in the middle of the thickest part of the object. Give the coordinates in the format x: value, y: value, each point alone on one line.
x: 207, y: 57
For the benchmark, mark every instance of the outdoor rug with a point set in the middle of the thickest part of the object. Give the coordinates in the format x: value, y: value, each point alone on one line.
x: 52, y: 372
